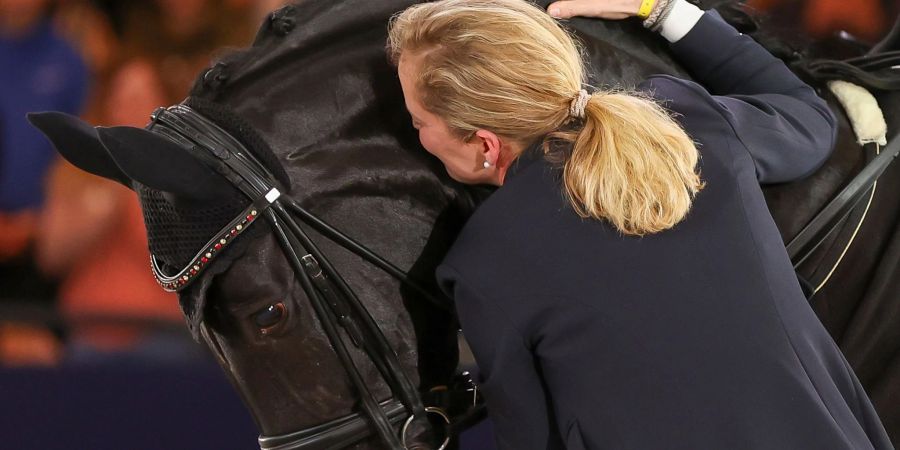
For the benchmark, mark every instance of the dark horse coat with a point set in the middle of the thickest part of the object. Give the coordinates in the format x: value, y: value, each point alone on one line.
x: 698, y: 337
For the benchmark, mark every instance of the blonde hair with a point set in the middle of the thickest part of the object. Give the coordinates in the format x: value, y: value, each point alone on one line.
x: 508, y: 67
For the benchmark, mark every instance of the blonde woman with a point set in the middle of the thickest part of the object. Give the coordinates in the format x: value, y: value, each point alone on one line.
x: 626, y: 287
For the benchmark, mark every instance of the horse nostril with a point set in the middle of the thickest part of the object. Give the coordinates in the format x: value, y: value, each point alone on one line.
x: 283, y: 21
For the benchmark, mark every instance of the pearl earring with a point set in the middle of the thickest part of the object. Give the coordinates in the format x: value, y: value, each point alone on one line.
x: 487, y: 165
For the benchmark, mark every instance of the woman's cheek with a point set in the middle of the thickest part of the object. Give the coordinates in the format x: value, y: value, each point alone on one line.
x: 427, y: 141
x: 436, y: 144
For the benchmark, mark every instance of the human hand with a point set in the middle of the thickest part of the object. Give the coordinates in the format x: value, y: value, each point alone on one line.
x: 602, y: 9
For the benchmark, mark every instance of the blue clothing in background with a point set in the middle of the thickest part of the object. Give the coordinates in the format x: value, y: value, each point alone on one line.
x: 38, y: 72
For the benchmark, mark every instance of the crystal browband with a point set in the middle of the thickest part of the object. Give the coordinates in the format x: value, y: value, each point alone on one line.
x: 209, y: 143
x: 212, y: 248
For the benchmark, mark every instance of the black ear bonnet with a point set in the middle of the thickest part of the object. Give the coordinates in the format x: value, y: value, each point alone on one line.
x: 177, y: 228
x: 188, y: 192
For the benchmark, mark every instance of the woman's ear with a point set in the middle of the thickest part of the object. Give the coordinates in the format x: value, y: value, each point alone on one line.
x: 491, y: 145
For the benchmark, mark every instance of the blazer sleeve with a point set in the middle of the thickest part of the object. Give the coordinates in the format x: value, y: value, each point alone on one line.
x: 507, y: 372
x: 787, y: 129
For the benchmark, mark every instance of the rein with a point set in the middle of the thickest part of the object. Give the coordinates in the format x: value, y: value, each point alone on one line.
x: 334, y: 302
x: 827, y: 221
x: 876, y: 69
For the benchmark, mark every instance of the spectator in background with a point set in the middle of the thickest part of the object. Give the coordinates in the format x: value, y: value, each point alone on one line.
x: 179, y: 38
x: 108, y: 297
x: 868, y: 20
x: 40, y: 71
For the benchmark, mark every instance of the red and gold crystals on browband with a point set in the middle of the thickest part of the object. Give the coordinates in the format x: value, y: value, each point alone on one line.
x: 212, y: 248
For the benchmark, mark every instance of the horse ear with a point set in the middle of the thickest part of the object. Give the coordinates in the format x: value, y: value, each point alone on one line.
x: 161, y: 164
x: 78, y: 143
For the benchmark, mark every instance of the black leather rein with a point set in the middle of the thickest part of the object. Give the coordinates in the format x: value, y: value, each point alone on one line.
x: 874, y: 70
x: 335, y: 303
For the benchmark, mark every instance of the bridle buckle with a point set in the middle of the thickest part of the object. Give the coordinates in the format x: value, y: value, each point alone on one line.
x: 432, y: 410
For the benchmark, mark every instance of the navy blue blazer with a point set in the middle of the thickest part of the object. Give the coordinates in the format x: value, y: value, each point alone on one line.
x: 698, y: 337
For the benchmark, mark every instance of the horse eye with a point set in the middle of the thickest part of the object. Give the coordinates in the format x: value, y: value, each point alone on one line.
x: 268, y: 317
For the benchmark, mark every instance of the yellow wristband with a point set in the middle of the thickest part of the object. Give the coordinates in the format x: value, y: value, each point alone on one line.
x: 646, y: 8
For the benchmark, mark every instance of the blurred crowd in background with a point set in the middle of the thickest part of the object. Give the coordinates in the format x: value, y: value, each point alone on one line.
x: 75, y: 284
x: 865, y: 20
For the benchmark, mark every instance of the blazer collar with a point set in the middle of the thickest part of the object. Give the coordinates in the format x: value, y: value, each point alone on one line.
x: 529, y: 156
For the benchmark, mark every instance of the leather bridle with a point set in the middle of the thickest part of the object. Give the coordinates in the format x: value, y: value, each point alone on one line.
x: 874, y: 70
x: 827, y: 221
x: 335, y: 304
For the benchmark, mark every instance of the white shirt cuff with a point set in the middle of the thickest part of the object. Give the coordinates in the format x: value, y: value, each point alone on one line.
x: 680, y: 20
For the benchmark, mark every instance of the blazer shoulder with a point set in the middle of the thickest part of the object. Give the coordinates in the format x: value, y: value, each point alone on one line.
x: 687, y: 100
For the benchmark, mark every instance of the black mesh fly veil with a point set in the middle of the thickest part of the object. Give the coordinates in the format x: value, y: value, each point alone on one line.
x: 178, y: 229
x: 175, y: 233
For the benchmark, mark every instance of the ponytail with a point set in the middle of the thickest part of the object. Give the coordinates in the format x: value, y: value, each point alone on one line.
x: 631, y: 164
x: 508, y: 67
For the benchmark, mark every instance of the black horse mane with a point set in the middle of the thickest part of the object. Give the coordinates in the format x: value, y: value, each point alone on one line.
x: 281, y: 22
x: 210, y: 82
x: 787, y: 45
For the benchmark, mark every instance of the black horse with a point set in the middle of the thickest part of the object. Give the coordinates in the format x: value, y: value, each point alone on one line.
x: 316, y: 101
